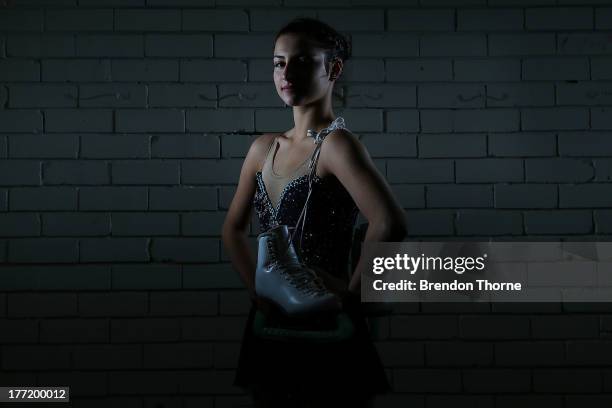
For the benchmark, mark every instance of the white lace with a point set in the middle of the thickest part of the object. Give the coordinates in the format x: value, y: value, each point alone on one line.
x: 338, y: 123
x: 298, y: 274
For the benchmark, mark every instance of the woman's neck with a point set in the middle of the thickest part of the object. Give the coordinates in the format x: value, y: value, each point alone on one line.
x: 315, y: 117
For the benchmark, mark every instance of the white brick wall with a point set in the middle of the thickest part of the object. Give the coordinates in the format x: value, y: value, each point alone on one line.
x: 123, y: 126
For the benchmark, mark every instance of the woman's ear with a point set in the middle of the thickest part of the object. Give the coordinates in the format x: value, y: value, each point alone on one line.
x: 335, y: 69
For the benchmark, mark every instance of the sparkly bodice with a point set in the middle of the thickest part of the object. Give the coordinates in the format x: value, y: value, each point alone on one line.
x: 330, y: 219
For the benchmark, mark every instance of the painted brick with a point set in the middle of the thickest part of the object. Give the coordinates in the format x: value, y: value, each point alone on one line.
x: 476, y: 69
x: 584, y: 196
x: 451, y: 96
x: 43, y: 198
x: 578, y: 43
x: 497, y: 380
x: 603, y: 18
x: 144, y: 70
x: 522, y: 44
x: 421, y: 20
x: 21, y: 120
x: 210, y: 171
x: 489, y: 223
x: 487, y: 118
x: 116, y: 46
x: 147, y: 20
x: 385, y: 45
x: 75, y: 224
x: 113, y: 198
x: 113, y: 95
x: 249, y: 95
x: 88, y: 172
x: 570, y: 381
x: 20, y: 70
x: 522, y: 144
x: 554, y: 118
x: 566, y: 68
x: 184, y: 250
x: 76, y: 70
x: 185, y: 146
x: 43, y: 250
x: 584, y: 144
x: 453, y: 45
x: 469, y: 120
x: 183, y: 198
x: 419, y: 70
x: 452, y: 145
x: 488, y: 170
x: 357, y: 20
x: 47, y: 45
x: 78, y: 120
x: 520, y: 94
x: 146, y: 276
x: 150, y: 120
x: 204, y: 223
x: 79, y: 20
x: 272, y: 20
x: 114, y: 250
x: 390, y: 145
x: 146, y: 172
x: 219, y: 120
x: 525, y: 196
x: 420, y: 171
x: 178, y: 45
x: 42, y: 95
x: 242, y: 45
x: 20, y: 172
x: 459, y: 196
x: 600, y: 118
x: 559, y: 222
x: 113, y: 304
x: 217, y: 70
x: 561, y: 170
x: 215, y: 20
x: 21, y: 20
x: 19, y: 225
x: 560, y: 18
x: 584, y: 93
x: 490, y: 20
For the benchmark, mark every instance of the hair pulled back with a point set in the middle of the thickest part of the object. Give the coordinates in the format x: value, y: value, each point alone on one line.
x: 335, y: 44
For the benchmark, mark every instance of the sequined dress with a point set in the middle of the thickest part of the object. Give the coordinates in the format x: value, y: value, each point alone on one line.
x: 350, y: 367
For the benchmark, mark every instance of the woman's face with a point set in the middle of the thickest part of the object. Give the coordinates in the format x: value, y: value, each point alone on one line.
x: 299, y: 70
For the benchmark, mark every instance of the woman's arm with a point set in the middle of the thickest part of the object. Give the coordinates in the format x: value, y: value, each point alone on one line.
x: 236, y: 224
x: 343, y: 155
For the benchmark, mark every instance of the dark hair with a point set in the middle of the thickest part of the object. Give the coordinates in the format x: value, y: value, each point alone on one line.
x: 337, y: 45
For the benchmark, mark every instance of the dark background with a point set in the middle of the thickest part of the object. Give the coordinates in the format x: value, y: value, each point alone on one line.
x: 123, y: 126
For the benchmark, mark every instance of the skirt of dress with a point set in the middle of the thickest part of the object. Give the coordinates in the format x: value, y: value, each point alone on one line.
x: 348, y: 367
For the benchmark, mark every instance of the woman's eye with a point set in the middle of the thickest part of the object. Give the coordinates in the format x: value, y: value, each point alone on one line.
x: 277, y: 64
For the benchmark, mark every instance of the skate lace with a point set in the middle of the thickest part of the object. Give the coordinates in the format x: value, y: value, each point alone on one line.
x: 298, y: 274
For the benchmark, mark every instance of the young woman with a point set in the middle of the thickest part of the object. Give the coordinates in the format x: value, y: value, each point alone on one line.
x: 308, y: 58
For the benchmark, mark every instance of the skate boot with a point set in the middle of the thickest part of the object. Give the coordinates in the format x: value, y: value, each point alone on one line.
x: 282, y: 278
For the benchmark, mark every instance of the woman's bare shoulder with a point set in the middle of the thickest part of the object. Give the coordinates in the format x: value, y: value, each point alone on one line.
x: 259, y: 148
x: 341, y: 142
x: 340, y: 145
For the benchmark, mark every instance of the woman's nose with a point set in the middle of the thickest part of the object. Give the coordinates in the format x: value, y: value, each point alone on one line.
x: 289, y: 71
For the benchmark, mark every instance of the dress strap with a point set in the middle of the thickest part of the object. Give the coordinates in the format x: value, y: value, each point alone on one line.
x: 268, y: 152
x: 318, y: 137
